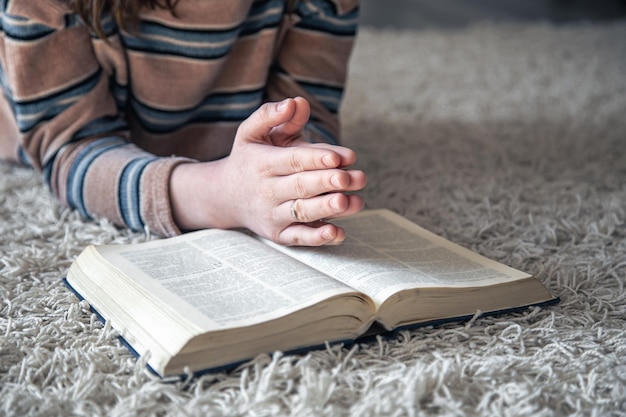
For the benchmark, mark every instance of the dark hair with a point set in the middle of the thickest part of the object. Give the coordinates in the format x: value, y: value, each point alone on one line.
x: 125, y: 12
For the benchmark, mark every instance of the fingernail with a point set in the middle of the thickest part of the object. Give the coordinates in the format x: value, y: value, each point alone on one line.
x: 327, y: 235
x: 328, y: 161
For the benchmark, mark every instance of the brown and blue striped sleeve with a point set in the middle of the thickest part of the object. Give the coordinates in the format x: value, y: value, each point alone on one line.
x: 312, y: 61
x: 68, y: 125
x: 194, y: 79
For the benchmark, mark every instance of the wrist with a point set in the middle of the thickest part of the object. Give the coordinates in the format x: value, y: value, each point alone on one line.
x: 197, y: 196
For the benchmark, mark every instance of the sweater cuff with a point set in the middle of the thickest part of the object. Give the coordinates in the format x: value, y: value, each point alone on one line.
x: 156, y: 204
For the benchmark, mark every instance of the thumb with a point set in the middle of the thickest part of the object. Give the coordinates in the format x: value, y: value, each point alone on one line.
x: 286, y: 133
x: 257, y: 127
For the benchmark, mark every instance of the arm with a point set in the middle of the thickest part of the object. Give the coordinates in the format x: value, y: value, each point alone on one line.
x: 310, y: 63
x: 71, y: 129
x: 69, y: 126
x: 312, y: 59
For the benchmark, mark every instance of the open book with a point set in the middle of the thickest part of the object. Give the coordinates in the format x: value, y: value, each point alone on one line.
x: 216, y: 297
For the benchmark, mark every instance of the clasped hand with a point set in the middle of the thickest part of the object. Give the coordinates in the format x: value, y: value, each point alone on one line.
x: 274, y: 182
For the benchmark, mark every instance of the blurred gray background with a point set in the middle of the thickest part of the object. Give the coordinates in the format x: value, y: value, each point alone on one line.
x: 450, y: 14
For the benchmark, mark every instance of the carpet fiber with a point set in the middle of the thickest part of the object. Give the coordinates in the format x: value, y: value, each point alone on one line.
x: 507, y: 139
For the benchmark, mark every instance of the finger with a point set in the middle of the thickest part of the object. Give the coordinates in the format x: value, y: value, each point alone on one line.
x: 278, y: 161
x: 317, y: 234
x: 313, y: 183
x: 347, y: 155
x: 321, y: 207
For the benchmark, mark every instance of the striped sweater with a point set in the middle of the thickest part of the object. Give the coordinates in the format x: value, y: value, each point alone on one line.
x: 106, y: 121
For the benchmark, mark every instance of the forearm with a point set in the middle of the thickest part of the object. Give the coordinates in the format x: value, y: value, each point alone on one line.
x: 68, y: 125
x: 312, y: 62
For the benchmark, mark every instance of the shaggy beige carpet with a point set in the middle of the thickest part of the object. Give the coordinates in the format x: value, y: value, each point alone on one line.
x: 507, y: 139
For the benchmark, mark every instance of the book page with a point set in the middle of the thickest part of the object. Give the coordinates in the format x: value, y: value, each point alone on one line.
x: 223, y: 279
x: 385, y: 253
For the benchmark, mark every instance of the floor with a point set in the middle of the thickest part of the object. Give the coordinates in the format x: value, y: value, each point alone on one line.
x: 424, y: 14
